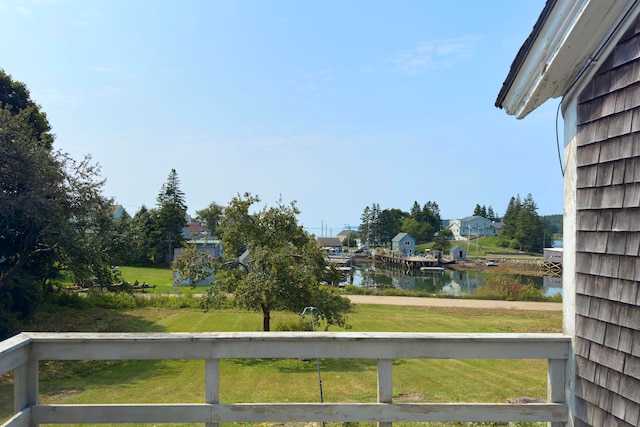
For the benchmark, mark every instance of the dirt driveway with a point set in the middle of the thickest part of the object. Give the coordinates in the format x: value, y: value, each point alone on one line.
x: 450, y: 302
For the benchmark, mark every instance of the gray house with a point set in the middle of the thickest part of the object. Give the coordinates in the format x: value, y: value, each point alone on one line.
x: 405, y: 243
x: 458, y: 252
x: 587, y: 52
x: 330, y: 244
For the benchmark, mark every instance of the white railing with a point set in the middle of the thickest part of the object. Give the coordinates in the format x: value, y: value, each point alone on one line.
x: 23, y: 352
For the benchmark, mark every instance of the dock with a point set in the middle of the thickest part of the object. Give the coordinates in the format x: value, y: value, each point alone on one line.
x: 398, y: 260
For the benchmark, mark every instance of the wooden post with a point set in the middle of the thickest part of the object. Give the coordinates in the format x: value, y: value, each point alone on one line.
x: 25, y: 387
x: 556, y: 388
x: 212, y: 384
x: 385, y: 384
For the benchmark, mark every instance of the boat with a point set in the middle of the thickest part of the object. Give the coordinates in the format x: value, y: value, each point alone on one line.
x: 431, y: 268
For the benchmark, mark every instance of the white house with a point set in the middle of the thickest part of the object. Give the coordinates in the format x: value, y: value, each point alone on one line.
x: 473, y: 226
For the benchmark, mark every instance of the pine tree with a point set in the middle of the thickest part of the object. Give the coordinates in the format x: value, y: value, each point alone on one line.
x: 170, y: 219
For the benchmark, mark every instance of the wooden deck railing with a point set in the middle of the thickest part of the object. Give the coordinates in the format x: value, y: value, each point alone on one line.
x: 23, y: 352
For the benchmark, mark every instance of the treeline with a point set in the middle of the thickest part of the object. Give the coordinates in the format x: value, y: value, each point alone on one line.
x: 523, y: 229
x: 379, y: 226
x: 55, y: 222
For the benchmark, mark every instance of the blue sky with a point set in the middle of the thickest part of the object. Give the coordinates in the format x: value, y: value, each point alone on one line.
x: 334, y: 104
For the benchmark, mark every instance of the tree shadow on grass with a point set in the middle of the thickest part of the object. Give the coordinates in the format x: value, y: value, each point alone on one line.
x: 61, y: 380
x: 295, y: 365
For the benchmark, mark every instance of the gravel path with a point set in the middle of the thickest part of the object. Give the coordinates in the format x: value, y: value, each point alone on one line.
x: 450, y: 302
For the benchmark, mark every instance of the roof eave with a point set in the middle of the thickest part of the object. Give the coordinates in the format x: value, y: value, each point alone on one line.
x: 571, y: 37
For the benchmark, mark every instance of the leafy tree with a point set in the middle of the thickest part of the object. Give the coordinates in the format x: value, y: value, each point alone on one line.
x: 211, y: 216
x: 442, y: 240
x: 142, y: 233
x: 53, y: 216
x: 170, y: 219
x: 15, y: 97
x: 285, y: 266
x: 390, y: 224
x: 421, y: 231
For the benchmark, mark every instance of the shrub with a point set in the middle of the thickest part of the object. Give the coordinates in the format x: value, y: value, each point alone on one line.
x: 502, y: 287
x: 294, y: 325
x: 114, y: 300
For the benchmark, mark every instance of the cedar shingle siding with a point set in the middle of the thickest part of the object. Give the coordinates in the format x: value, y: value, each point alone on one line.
x: 607, y: 344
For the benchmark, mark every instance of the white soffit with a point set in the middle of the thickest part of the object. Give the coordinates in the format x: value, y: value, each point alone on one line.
x: 574, y: 32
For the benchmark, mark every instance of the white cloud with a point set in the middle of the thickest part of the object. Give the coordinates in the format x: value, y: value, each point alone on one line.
x: 110, y: 91
x: 24, y: 11
x: 58, y: 97
x: 113, y: 69
x: 434, y: 55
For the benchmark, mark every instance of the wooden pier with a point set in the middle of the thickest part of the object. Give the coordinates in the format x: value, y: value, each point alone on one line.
x: 398, y: 260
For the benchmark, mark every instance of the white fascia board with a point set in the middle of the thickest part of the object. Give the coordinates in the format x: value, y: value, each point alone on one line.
x: 572, y: 35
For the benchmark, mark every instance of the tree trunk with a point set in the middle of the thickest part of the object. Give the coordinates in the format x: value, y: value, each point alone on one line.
x: 266, y: 318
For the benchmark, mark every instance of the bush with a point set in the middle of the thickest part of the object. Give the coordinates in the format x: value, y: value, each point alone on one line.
x: 502, y: 287
x: 294, y: 325
x: 113, y: 300
x: 66, y: 299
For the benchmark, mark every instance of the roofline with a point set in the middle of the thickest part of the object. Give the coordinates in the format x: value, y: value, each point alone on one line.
x: 518, y: 62
x: 568, y: 38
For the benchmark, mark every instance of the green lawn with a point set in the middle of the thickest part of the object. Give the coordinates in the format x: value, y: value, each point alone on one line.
x: 484, y: 247
x: 291, y: 379
x: 161, y: 278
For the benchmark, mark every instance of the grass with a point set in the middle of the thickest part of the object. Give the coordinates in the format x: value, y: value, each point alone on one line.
x: 290, y: 379
x: 161, y: 278
x: 487, y: 247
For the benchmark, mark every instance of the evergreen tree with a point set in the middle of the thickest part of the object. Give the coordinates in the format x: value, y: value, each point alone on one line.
x: 510, y: 218
x: 523, y: 228
x: 170, y: 219
x: 431, y: 215
x: 365, y: 226
x: 491, y: 214
x: 416, y: 212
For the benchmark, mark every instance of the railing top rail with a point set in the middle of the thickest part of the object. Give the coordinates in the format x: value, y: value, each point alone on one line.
x: 102, y: 346
x: 278, y: 336
x: 14, y: 351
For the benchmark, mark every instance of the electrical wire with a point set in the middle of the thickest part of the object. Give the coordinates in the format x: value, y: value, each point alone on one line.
x: 558, y: 138
x: 592, y: 60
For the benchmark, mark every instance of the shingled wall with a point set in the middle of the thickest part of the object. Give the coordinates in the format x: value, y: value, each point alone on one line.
x: 607, y: 343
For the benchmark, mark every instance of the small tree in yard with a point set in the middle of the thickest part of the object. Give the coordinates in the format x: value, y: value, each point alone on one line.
x: 284, y: 270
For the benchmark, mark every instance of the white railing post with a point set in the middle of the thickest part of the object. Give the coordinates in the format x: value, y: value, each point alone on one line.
x: 25, y: 386
x: 385, y: 384
x: 556, y: 385
x: 212, y: 384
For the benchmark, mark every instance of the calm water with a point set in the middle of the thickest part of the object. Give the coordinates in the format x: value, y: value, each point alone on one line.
x: 446, y: 282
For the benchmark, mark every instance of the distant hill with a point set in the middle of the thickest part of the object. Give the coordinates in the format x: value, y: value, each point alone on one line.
x: 554, y: 222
